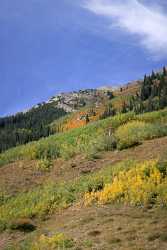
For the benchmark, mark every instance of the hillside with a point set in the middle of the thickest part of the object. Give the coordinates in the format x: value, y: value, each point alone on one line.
x: 75, y: 109
x: 99, y: 178
x: 36, y: 122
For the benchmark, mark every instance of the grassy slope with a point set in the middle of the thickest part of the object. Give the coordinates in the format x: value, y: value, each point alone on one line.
x: 114, y: 224
x: 42, y: 201
x: 80, y: 140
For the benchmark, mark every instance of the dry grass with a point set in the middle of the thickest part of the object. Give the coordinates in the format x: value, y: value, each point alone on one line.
x: 23, y: 175
x: 113, y: 227
x: 122, y: 228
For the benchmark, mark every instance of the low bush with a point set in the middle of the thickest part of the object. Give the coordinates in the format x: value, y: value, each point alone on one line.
x: 88, y: 243
x: 44, y: 164
x: 142, y: 184
x: 130, y: 134
x: 154, y: 117
x: 66, y: 145
x: 24, y: 225
x: 82, y: 140
x: 135, y: 132
x: 44, y: 200
x: 68, y: 151
x: 3, y: 197
x: 99, y: 144
x: 127, y: 181
x: 57, y: 241
x: 110, y: 142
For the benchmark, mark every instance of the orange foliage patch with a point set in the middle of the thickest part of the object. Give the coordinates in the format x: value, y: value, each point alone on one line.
x: 79, y: 118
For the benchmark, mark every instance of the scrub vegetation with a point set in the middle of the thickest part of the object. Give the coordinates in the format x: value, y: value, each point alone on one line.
x: 99, y: 184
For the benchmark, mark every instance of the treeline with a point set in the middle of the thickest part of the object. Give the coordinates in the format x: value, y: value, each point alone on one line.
x: 152, y: 96
x: 34, y: 124
x: 25, y: 127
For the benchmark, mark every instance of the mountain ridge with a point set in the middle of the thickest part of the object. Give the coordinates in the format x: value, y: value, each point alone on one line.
x: 74, y: 109
x: 98, y: 180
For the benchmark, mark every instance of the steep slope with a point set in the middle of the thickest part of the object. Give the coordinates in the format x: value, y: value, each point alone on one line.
x: 111, y: 226
x: 28, y: 126
x: 99, y: 183
x: 85, y: 106
x: 37, y: 122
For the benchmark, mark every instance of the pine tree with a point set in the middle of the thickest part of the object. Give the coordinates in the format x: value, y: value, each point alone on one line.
x: 164, y: 71
x: 87, y: 119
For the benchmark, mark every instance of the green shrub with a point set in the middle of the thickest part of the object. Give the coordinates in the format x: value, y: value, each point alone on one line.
x: 2, y: 226
x: 130, y: 134
x: 110, y: 142
x: 162, y: 166
x: 163, y: 237
x: 44, y: 164
x: 3, y: 197
x: 134, y: 132
x: 68, y: 151
x: 95, y: 146
x: 47, y: 149
x: 43, y: 200
x: 57, y: 241
x: 24, y: 225
x: 66, y: 144
x: 88, y: 243
x: 152, y: 117
x: 89, y: 139
x: 99, y: 144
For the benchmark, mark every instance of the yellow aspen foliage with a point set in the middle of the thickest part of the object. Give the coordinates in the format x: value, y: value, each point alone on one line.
x: 137, y: 186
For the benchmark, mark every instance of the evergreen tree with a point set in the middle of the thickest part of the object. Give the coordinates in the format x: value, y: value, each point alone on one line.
x: 24, y: 127
x: 87, y: 119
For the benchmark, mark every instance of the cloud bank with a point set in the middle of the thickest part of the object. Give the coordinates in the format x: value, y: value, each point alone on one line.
x: 148, y: 23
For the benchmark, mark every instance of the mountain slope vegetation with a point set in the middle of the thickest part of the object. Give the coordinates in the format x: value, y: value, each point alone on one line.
x: 101, y: 184
x: 29, y: 126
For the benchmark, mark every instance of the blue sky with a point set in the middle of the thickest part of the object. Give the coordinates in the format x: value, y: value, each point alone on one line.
x: 49, y: 46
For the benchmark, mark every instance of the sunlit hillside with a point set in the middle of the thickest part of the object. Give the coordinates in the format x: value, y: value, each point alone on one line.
x: 97, y: 180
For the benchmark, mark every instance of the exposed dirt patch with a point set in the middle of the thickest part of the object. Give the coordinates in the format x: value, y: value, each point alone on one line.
x: 106, y: 227
x: 23, y: 175
x: 112, y: 227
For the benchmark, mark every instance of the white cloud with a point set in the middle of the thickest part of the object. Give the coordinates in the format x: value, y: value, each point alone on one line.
x: 149, y: 23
